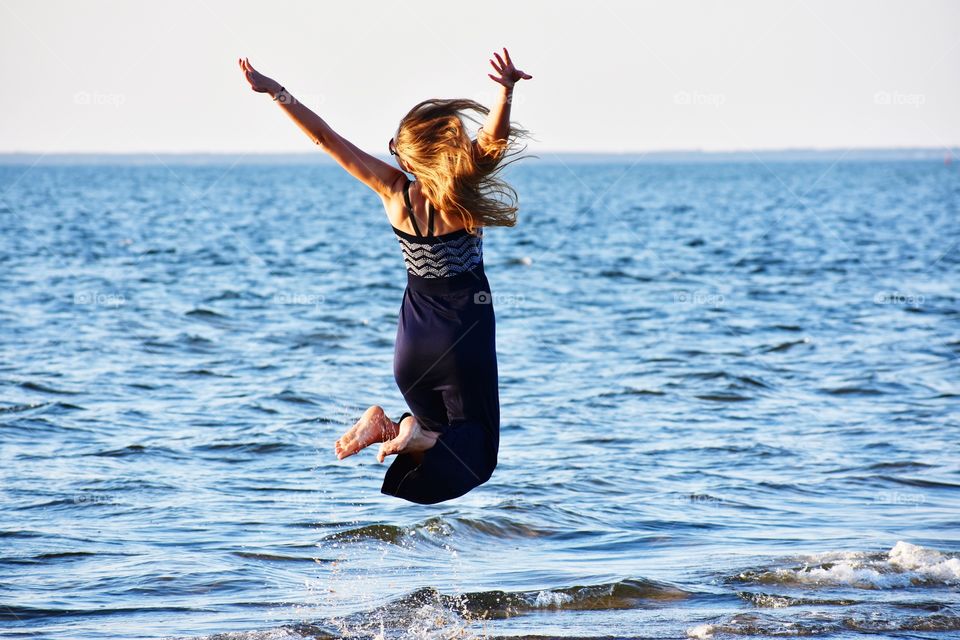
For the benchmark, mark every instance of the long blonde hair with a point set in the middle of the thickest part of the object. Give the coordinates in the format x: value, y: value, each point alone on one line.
x: 435, y: 146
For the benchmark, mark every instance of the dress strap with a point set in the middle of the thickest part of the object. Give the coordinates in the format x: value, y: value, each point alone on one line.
x: 406, y: 198
x: 430, y: 221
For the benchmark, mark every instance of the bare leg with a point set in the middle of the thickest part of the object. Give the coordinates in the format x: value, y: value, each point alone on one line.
x: 373, y: 426
x: 412, y: 439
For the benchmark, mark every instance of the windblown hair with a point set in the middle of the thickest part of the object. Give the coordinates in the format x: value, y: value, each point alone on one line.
x: 435, y: 146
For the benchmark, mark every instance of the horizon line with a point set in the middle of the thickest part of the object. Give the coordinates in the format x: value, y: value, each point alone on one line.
x: 567, y: 152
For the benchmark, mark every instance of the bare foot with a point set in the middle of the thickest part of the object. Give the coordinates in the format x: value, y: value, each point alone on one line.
x: 412, y: 439
x: 373, y: 426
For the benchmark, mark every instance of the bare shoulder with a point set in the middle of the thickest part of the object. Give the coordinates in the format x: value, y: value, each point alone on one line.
x: 393, y: 202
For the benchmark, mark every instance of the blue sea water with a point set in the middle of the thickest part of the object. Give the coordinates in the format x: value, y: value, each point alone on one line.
x: 729, y: 400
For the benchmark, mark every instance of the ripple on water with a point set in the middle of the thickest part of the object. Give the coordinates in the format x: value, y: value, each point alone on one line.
x: 40, y: 387
x: 821, y: 623
x: 443, y: 530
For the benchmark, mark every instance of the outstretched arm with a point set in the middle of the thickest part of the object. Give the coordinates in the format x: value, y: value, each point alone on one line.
x: 373, y: 172
x: 497, y: 125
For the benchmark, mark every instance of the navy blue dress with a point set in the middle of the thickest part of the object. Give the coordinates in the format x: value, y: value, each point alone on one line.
x: 445, y: 364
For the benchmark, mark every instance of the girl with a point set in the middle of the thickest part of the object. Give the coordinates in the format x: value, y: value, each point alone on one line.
x: 445, y: 360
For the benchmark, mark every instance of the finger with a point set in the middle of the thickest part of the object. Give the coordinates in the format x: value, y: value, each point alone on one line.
x: 494, y: 65
x: 506, y: 54
x: 499, y: 59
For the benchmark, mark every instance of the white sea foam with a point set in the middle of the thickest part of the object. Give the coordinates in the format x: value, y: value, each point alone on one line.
x: 903, y: 566
x: 929, y: 563
x: 771, y: 601
x: 701, y: 631
x: 552, y: 599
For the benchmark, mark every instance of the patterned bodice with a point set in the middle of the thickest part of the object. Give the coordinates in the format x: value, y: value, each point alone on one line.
x: 441, y: 256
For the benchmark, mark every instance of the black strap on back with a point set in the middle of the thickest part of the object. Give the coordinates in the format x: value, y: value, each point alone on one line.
x: 406, y: 198
x: 413, y: 220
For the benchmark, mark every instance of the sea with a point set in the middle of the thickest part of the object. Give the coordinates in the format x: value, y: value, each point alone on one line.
x: 730, y: 405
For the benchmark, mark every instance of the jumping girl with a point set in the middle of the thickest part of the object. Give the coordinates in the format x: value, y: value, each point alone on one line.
x: 445, y: 359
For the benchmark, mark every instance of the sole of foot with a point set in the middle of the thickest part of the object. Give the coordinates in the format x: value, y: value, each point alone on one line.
x: 412, y: 438
x: 372, y: 427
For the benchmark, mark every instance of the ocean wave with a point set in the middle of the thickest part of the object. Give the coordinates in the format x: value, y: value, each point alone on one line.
x: 274, y: 557
x: 623, y: 594
x: 44, y: 388
x: 206, y: 372
x: 288, y: 395
x: 784, y: 346
x: 201, y: 312
x: 629, y: 593
x: 905, y: 565
x: 723, y: 397
x: 816, y: 624
x: 137, y: 450
x: 246, y: 447
x: 268, y: 634
x: 438, y: 529
x: 22, y: 614
x: 779, y: 601
x: 428, y: 613
x: 17, y: 408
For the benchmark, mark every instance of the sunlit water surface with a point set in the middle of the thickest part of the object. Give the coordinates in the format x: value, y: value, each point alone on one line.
x: 729, y: 407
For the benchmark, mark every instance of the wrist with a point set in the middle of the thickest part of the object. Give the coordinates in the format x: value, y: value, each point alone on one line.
x: 282, y: 96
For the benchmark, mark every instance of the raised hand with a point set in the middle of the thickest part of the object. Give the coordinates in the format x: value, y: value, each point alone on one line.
x: 258, y: 82
x: 508, y: 75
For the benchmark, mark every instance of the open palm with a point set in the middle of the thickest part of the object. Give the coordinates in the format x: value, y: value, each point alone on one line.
x: 508, y: 75
x: 258, y: 82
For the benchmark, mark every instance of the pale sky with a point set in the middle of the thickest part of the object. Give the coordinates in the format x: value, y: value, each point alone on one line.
x: 123, y: 76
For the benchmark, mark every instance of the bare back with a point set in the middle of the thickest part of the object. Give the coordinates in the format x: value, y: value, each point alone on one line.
x: 397, y: 212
